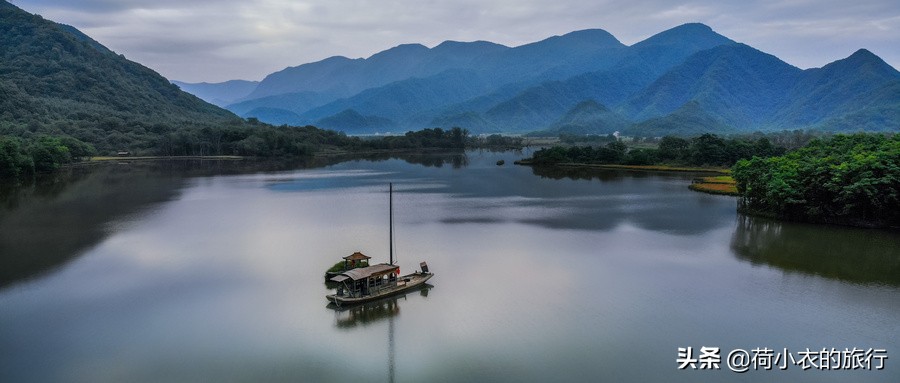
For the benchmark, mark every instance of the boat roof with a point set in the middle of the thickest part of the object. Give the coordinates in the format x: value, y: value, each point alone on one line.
x: 340, y: 278
x: 357, y: 256
x: 365, y: 272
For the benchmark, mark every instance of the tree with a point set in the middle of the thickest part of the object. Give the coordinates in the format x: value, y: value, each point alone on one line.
x: 851, y: 179
x: 15, y: 162
x: 709, y: 149
x: 673, y: 148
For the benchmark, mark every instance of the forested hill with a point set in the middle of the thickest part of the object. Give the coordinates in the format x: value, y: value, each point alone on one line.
x: 56, y: 80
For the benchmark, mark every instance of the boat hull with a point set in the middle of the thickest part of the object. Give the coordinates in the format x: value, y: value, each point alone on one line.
x: 416, y: 280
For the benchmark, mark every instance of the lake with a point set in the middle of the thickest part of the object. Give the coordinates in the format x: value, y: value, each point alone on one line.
x: 211, y: 271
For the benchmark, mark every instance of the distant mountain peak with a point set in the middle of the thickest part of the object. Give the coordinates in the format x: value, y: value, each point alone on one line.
x: 584, y: 37
x: 863, y: 52
x: 591, y: 34
x: 402, y: 49
x: 693, y: 27
x: 863, y: 58
x: 452, y: 45
x: 685, y: 33
x: 331, y: 59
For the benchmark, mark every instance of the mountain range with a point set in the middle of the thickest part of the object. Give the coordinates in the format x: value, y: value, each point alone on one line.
x: 684, y: 80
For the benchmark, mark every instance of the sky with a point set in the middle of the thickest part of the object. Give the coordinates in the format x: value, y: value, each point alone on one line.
x: 219, y: 40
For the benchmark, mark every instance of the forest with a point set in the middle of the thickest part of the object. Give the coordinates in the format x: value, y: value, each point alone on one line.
x: 27, y: 153
x: 845, y: 179
x: 704, y: 150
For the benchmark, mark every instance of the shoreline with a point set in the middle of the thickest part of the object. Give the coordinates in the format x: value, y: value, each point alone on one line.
x: 718, y: 185
x: 650, y: 168
x: 160, y: 158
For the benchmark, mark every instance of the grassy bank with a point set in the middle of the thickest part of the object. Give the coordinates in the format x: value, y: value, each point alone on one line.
x: 653, y: 168
x: 724, y: 185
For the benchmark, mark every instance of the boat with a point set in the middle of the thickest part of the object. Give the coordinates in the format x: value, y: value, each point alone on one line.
x: 366, y: 284
x: 352, y: 261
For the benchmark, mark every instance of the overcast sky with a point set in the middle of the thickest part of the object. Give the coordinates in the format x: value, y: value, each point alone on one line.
x: 218, y: 40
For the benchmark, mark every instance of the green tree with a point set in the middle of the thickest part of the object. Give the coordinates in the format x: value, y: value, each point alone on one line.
x: 15, y: 162
x: 851, y: 179
x: 49, y: 154
x: 673, y: 148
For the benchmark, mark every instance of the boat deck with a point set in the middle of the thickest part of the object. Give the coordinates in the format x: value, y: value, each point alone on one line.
x: 404, y: 283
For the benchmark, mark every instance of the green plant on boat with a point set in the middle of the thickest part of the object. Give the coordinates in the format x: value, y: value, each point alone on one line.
x: 338, y: 267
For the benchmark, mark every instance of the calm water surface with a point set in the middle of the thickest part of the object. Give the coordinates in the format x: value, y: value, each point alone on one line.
x: 150, y: 273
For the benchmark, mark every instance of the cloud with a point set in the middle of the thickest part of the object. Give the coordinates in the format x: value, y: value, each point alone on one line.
x: 217, y: 40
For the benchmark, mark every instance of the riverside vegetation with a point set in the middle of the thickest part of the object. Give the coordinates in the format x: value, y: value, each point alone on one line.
x: 846, y: 179
x: 23, y: 157
x: 841, y: 179
x: 708, y: 150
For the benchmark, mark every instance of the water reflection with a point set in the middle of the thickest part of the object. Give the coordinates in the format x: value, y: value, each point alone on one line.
x: 349, y: 317
x: 568, y: 199
x: 601, y: 174
x: 52, y: 220
x: 362, y: 315
x: 582, y: 199
x: 854, y: 255
x: 577, y: 173
x: 456, y: 159
x: 46, y: 224
x: 224, y: 283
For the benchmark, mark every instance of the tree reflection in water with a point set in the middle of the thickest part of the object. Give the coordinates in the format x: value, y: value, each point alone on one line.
x: 863, y: 256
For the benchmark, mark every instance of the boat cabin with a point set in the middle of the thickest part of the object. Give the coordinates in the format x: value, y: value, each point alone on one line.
x: 367, y: 280
x: 351, y: 261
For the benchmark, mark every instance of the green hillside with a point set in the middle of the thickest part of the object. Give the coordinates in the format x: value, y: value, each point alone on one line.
x: 56, y: 80
x: 65, y: 96
x: 352, y: 122
x: 51, y: 72
x: 689, y: 120
x: 588, y: 117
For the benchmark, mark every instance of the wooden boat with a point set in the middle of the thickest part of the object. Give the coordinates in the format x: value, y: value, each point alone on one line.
x: 369, y: 283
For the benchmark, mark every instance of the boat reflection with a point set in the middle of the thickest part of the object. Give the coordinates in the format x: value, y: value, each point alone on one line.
x: 862, y: 256
x: 348, y: 317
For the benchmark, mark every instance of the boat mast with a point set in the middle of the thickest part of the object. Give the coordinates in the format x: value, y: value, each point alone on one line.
x: 391, y: 215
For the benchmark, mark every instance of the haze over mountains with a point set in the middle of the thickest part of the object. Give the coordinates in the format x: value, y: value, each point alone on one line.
x: 685, y: 80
